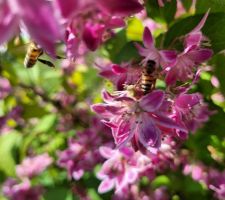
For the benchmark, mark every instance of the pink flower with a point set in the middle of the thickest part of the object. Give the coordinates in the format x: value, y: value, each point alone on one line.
x: 121, y: 75
x: 82, y: 153
x: 8, y: 22
x: 77, y: 159
x: 5, y: 88
x: 15, y: 115
x: 197, y: 171
x: 15, y: 12
x: 193, y: 55
x: 190, y: 111
x: 150, y: 52
x: 137, y: 121
x: 21, y: 191
x: 33, y: 166
x: 88, y: 23
x: 116, y: 172
x: 217, y: 183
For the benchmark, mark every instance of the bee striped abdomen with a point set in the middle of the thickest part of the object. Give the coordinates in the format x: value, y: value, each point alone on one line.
x: 148, y: 77
x: 33, y: 53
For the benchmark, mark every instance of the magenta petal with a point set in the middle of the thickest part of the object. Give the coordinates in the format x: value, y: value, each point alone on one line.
x: 127, y: 152
x: 166, y: 122
x: 92, y: 35
x: 45, y: 21
x: 105, y: 109
x: 106, y: 185
x: 109, y: 124
x: 120, y: 8
x: 149, y: 134
x: 107, y: 74
x: 78, y: 174
x: 123, y: 134
x: 106, y: 152
x: 171, y: 77
x: 67, y: 7
x: 8, y: 23
x: 118, y: 70
x: 116, y: 22
x: 186, y: 101
x: 131, y: 176
x: 193, y: 39
x: 199, y: 56
x: 107, y: 96
x: 141, y: 50
x: 167, y: 57
x: 152, y: 101
x: 147, y: 38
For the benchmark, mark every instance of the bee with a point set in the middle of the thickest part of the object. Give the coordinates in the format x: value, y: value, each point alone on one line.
x: 34, y: 51
x: 148, y: 77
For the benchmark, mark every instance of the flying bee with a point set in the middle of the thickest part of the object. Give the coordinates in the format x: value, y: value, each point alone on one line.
x: 34, y: 51
x: 148, y: 77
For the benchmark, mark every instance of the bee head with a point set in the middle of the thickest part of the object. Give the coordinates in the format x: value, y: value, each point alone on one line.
x: 151, y: 63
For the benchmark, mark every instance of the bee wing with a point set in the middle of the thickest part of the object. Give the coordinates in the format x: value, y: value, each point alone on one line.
x: 46, y: 62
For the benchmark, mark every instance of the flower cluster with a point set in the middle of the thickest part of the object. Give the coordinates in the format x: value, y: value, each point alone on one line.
x: 22, y: 189
x: 138, y: 133
x: 151, y: 122
x: 142, y: 119
x: 82, y: 153
x: 84, y: 25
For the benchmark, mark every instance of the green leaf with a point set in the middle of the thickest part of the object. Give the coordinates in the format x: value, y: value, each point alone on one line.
x: 161, y: 14
x: 187, y: 4
x: 58, y: 193
x: 161, y: 181
x: 46, y: 123
x: 128, y: 52
x: 33, y: 110
x: 215, y: 6
x: 8, y: 145
x: 120, y: 49
x: 213, y: 29
x: 93, y: 194
x: 218, y: 62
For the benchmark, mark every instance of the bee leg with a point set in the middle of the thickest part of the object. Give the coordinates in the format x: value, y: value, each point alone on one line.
x: 59, y: 57
x: 46, y: 62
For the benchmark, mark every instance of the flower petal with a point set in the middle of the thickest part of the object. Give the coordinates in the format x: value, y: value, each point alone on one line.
x: 92, y: 35
x: 120, y: 8
x: 152, y: 101
x: 171, y: 77
x: 164, y: 121
x: 8, y: 22
x: 167, y: 57
x: 201, y: 55
x: 116, y: 22
x: 106, y: 152
x: 78, y: 174
x: 67, y: 7
x: 147, y: 38
x: 46, y: 21
x: 118, y: 70
x: 131, y: 175
x: 106, y: 185
x: 193, y: 39
x: 149, y: 134
x: 186, y: 101
x: 124, y: 133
